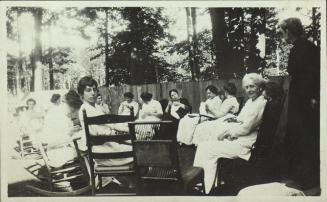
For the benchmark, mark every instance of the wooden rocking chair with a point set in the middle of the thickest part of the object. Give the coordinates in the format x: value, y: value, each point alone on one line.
x: 73, y: 171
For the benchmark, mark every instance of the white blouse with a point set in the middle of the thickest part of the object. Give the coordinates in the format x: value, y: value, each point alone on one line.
x: 106, y: 129
x: 124, y: 110
x: 153, y: 107
x: 250, y: 118
x: 213, y: 104
x: 229, y: 105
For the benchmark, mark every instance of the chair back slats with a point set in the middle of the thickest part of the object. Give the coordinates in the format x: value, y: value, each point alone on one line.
x: 109, y: 118
x: 153, y: 153
x: 100, y: 139
x: 147, y: 130
x: 161, y: 173
x: 115, y: 155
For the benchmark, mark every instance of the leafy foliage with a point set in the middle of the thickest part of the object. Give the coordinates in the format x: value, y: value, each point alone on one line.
x: 146, y: 27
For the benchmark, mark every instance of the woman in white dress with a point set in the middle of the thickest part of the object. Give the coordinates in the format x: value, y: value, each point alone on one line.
x: 188, y: 124
x: 88, y: 89
x: 59, y: 128
x: 100, y: 105
x: 31, y: 121
x: 230, y: 105
x: 151, y: 109
x: 235, y: 134
x: 128, y: 105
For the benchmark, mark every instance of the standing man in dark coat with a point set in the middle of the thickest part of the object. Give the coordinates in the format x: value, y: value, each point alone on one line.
x: 302, y: 137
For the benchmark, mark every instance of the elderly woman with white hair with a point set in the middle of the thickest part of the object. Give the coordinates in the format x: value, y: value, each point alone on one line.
x: 231, y: 136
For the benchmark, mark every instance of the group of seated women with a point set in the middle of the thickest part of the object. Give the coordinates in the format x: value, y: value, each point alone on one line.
x: 190, y: 127
x: 217, y: 131
x: 232, y: 136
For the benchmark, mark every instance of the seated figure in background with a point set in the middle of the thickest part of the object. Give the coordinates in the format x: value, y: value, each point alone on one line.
x: 232, y: 136
x: 176, y: 109
x: 31, y: 121
x: 100, y: 105
x: 151, y: 109
x: 59, y: 128
x: 229, y: 106
x: 188, y: 124
x: 129, y: 105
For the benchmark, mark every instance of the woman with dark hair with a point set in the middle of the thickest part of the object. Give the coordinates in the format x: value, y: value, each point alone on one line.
x: 176, y: 109
x: 230, y: 103
x: 88, y: 90
x: 302, y: 131
x: 188, y: 124
x: 228, y: 106
x: 100, y: 105
x: 151, y: 109
x: 55, y: 99
x: 59, y: 127
x: 128, y: 105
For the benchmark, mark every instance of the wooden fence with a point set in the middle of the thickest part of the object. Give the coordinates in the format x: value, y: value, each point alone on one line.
x: 193, y: 91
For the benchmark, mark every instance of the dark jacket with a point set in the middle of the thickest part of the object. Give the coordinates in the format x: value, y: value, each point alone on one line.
x: 181, y: 111
x: 302, y: 137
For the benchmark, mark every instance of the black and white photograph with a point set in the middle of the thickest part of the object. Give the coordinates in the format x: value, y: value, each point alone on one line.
x: 163, y: 98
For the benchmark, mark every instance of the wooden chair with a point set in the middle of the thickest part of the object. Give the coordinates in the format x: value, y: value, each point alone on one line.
x: 157, y: 162
x: 26, y: 147
x: 73, y: 171
x: 100, y: 139
x: 261, y: 167
x: 148, y: 130
x: 158, y: 170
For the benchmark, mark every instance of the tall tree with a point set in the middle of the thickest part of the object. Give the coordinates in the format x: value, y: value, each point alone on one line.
x: 229, y: 58
x: 49, y: 20
x: 100, y: 18
x: 134, y: 58
x: 189, y: 40
x: 256, y: 24
x: 195, y: 44
x: 218, y: 36
x: 36, y: 58
x: 106, y: 46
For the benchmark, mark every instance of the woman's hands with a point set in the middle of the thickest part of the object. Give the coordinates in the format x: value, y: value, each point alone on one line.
x: 175, y: 104
x: 227, y: 135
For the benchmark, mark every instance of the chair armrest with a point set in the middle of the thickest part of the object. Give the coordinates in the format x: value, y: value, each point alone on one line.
x: 148, y: 122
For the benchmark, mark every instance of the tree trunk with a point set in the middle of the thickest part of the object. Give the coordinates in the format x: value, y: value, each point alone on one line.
x: 106, y: 50
x: 51, y: 79
x: 190, y: 56
x: 315, y: 26
x: 50, y: 60
x: 218, y: 36
x: 20, y: 56
x: 36, y: 83
x: 195, y: 45
x: 229, y: 61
